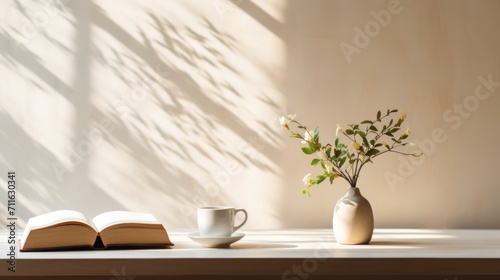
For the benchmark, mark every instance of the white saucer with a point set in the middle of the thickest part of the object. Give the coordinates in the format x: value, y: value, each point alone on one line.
x: 216, y: 242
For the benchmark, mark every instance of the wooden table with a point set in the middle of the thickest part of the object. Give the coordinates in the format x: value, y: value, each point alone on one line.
x: 282, y: 254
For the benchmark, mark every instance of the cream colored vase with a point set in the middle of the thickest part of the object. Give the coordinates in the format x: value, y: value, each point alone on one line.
x: 353, y: 219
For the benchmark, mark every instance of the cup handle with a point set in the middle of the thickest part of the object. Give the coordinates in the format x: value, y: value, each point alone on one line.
x: 244, y: 221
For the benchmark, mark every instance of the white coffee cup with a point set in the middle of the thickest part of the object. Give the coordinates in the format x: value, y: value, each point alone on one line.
x: 218, y: 221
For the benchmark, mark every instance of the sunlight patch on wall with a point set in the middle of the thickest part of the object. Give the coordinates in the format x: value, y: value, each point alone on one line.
x: 143, y: 106
x: 187, y: 110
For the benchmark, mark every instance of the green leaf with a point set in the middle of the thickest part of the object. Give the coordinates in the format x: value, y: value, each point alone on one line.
x: 372, y: 152
x: 321, y: 178
x: 378, y: 145
x: 307, y: 151
x: 337, y: 153
x: 315, y: 161
x: 389, y: 134
x: 356, y: 126
x: 334, y: 175
x: 394, y: 111
x: 316, y: 134
x: 372, y: 142
x: 363, y: 136
x: 342, y: 154
x: 296, y: 135
x: 337, y: 142
x: 329, y: 151
x: 313, y: 146
x: 349, y: 132
x: 342, y: 161
x: 379, y: 114
x: 373, y: 128
x: 366, y: 122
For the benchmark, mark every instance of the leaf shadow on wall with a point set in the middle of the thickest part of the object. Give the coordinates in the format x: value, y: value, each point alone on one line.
x: 185, y: 75
x: 181, y: 119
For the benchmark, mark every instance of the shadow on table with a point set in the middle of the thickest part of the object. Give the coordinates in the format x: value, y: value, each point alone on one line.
x: 397, y: 243
x: 261, y: 246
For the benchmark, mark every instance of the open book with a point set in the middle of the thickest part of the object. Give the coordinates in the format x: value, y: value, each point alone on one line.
x: 71, y: 229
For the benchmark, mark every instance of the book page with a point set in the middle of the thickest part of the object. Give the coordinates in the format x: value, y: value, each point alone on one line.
x: 53, y: 218
x: 107, y: 219
x: 56, y: 217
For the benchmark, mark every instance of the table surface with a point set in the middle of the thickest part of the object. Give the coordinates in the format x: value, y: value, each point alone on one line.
x: 275, y: 252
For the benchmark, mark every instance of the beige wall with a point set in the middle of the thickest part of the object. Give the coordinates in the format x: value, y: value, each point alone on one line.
x: 163, y: 106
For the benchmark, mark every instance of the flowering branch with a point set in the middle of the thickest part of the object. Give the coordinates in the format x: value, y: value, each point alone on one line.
x: 368, y: 140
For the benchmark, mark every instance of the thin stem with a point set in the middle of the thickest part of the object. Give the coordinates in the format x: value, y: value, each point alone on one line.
x: 392, y: 151
x: 349, y: 137
x: 336, y: 168
x: 356, y: 170
x: 352, y: 172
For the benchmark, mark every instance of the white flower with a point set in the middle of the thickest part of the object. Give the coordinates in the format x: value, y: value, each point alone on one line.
x: 408, y: 131
x: 403, y: 116
x: 339, y: 130
x: 329, y: 166
x: 322, y: 155
x: 307, y: 179
x: 307, y: 136
x: 355, y: 145
x: 283, y: 122
x: 292, y: 117
x: 413, y: 145
x: 385, y: 144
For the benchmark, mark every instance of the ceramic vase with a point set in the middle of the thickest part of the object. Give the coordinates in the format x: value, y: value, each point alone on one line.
x: 353, y: 219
